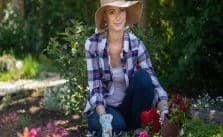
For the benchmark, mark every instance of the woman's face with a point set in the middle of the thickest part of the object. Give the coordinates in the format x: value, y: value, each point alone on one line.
x: 115, y: 17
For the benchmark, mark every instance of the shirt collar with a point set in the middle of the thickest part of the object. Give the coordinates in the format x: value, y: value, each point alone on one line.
x: 126, y: 43
x: 103, y: 42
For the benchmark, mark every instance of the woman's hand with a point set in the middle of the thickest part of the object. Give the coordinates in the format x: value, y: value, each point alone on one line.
x: 163, y: 115
x: 100, y: 109
x: 105, y: 121
x: 163, y: 108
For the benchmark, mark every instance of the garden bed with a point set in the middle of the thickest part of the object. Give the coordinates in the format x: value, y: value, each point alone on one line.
x: 25, y: 109
x: 29, y: 112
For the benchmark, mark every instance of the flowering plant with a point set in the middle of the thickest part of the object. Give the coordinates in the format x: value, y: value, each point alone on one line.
x: 178, y: 110
x: 143, y: 134
x: 150, y: 118
x: 150, y: 122
x: 52, y: 129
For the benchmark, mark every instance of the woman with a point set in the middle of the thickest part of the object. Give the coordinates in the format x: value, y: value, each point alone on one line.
x: 121, y: 79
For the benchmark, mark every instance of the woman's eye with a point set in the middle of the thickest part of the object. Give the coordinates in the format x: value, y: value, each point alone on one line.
x: 111, y: 12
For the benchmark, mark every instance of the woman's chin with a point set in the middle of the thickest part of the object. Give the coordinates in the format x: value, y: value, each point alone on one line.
x: 118, y: 29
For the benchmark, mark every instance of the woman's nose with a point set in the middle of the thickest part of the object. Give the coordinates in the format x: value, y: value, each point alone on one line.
x: 118, y: 16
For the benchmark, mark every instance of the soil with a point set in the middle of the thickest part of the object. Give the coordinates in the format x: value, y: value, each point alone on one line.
x: 30, y: 107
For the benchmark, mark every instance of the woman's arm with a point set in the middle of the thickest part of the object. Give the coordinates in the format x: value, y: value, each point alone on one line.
x: 96, y: 100
x: 145, y: 63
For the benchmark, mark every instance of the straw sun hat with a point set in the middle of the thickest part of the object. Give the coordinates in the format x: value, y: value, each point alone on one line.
x: 133, y: 10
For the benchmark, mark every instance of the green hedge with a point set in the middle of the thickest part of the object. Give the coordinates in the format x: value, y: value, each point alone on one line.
x: 185, y: 42
x: 30, y: 30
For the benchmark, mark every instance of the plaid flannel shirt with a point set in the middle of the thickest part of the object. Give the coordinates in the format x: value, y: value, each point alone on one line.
x: 133, y: 57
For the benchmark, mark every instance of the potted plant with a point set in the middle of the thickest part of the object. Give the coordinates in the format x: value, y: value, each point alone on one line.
x: 178, y: 113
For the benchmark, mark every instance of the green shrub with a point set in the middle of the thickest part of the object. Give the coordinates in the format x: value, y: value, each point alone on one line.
x: 30, y: 68
x: 185, y: 43
x: 67, y: 50
x: 4, y: 102
x: 46, y: 64
x: 12, y: 36
x: 51, y: 98
x: 24, y: 120
x: 7, y: 76
x: 8, y: 68
x: 7, y: 63
x: 197, y: 128
x: 29, y: 28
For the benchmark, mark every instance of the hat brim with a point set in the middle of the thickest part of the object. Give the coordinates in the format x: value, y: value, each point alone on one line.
x: 133, y: 9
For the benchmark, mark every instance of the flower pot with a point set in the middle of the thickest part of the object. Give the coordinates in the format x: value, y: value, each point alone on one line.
x: 169, y: 129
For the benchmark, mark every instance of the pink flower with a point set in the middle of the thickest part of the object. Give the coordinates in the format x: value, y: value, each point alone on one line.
x: 143, y: 134
x: 33, y: 133
x: 50, y: 125
x: 52, y: 129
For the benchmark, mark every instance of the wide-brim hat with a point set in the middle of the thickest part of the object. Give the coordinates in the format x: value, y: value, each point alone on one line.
x: 133, y: 10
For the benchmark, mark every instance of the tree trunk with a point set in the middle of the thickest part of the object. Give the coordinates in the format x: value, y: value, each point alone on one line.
x: 144, y: 13
x: 1, y: 9
x: 21, y: 6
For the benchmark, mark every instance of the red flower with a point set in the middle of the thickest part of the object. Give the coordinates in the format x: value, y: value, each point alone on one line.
x: 178, y: 101
x: 183, y: 106
x: 145, y: 117
x: 150, y: 117
x: 178, y: 109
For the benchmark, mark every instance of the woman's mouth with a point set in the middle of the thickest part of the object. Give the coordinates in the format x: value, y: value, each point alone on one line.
x: 118, y: 24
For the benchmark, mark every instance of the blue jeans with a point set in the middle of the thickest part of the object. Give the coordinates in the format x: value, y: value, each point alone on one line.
x: 139, y: 97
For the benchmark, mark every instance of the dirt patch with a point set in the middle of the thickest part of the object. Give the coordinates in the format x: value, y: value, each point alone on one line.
x: 31, y: 113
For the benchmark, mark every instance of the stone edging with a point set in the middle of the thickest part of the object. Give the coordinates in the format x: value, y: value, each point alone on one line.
x: 24, y: 85
x: 208, y: 115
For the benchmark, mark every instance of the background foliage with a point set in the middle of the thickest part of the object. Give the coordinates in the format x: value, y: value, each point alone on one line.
x: 185, y: 42
x: 184, y: 39
x: 67, y: 49
x: 29, y: 27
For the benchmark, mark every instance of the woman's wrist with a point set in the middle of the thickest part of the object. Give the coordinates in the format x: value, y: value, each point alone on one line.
x: 100, y: 109
x: 163, y: 105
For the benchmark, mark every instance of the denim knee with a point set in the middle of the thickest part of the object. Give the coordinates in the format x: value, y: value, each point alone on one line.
x: 93, y: 122
x: 142, y: 85
x: 142, y: 79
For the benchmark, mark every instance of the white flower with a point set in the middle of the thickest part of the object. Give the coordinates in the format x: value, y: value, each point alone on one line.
x: 19, y: 64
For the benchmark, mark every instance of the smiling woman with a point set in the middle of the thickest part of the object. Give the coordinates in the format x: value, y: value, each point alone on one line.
x: 121, y: 79
x: 116, y: 18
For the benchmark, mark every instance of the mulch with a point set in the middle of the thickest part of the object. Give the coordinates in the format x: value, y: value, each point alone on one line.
x: 31, y: 107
